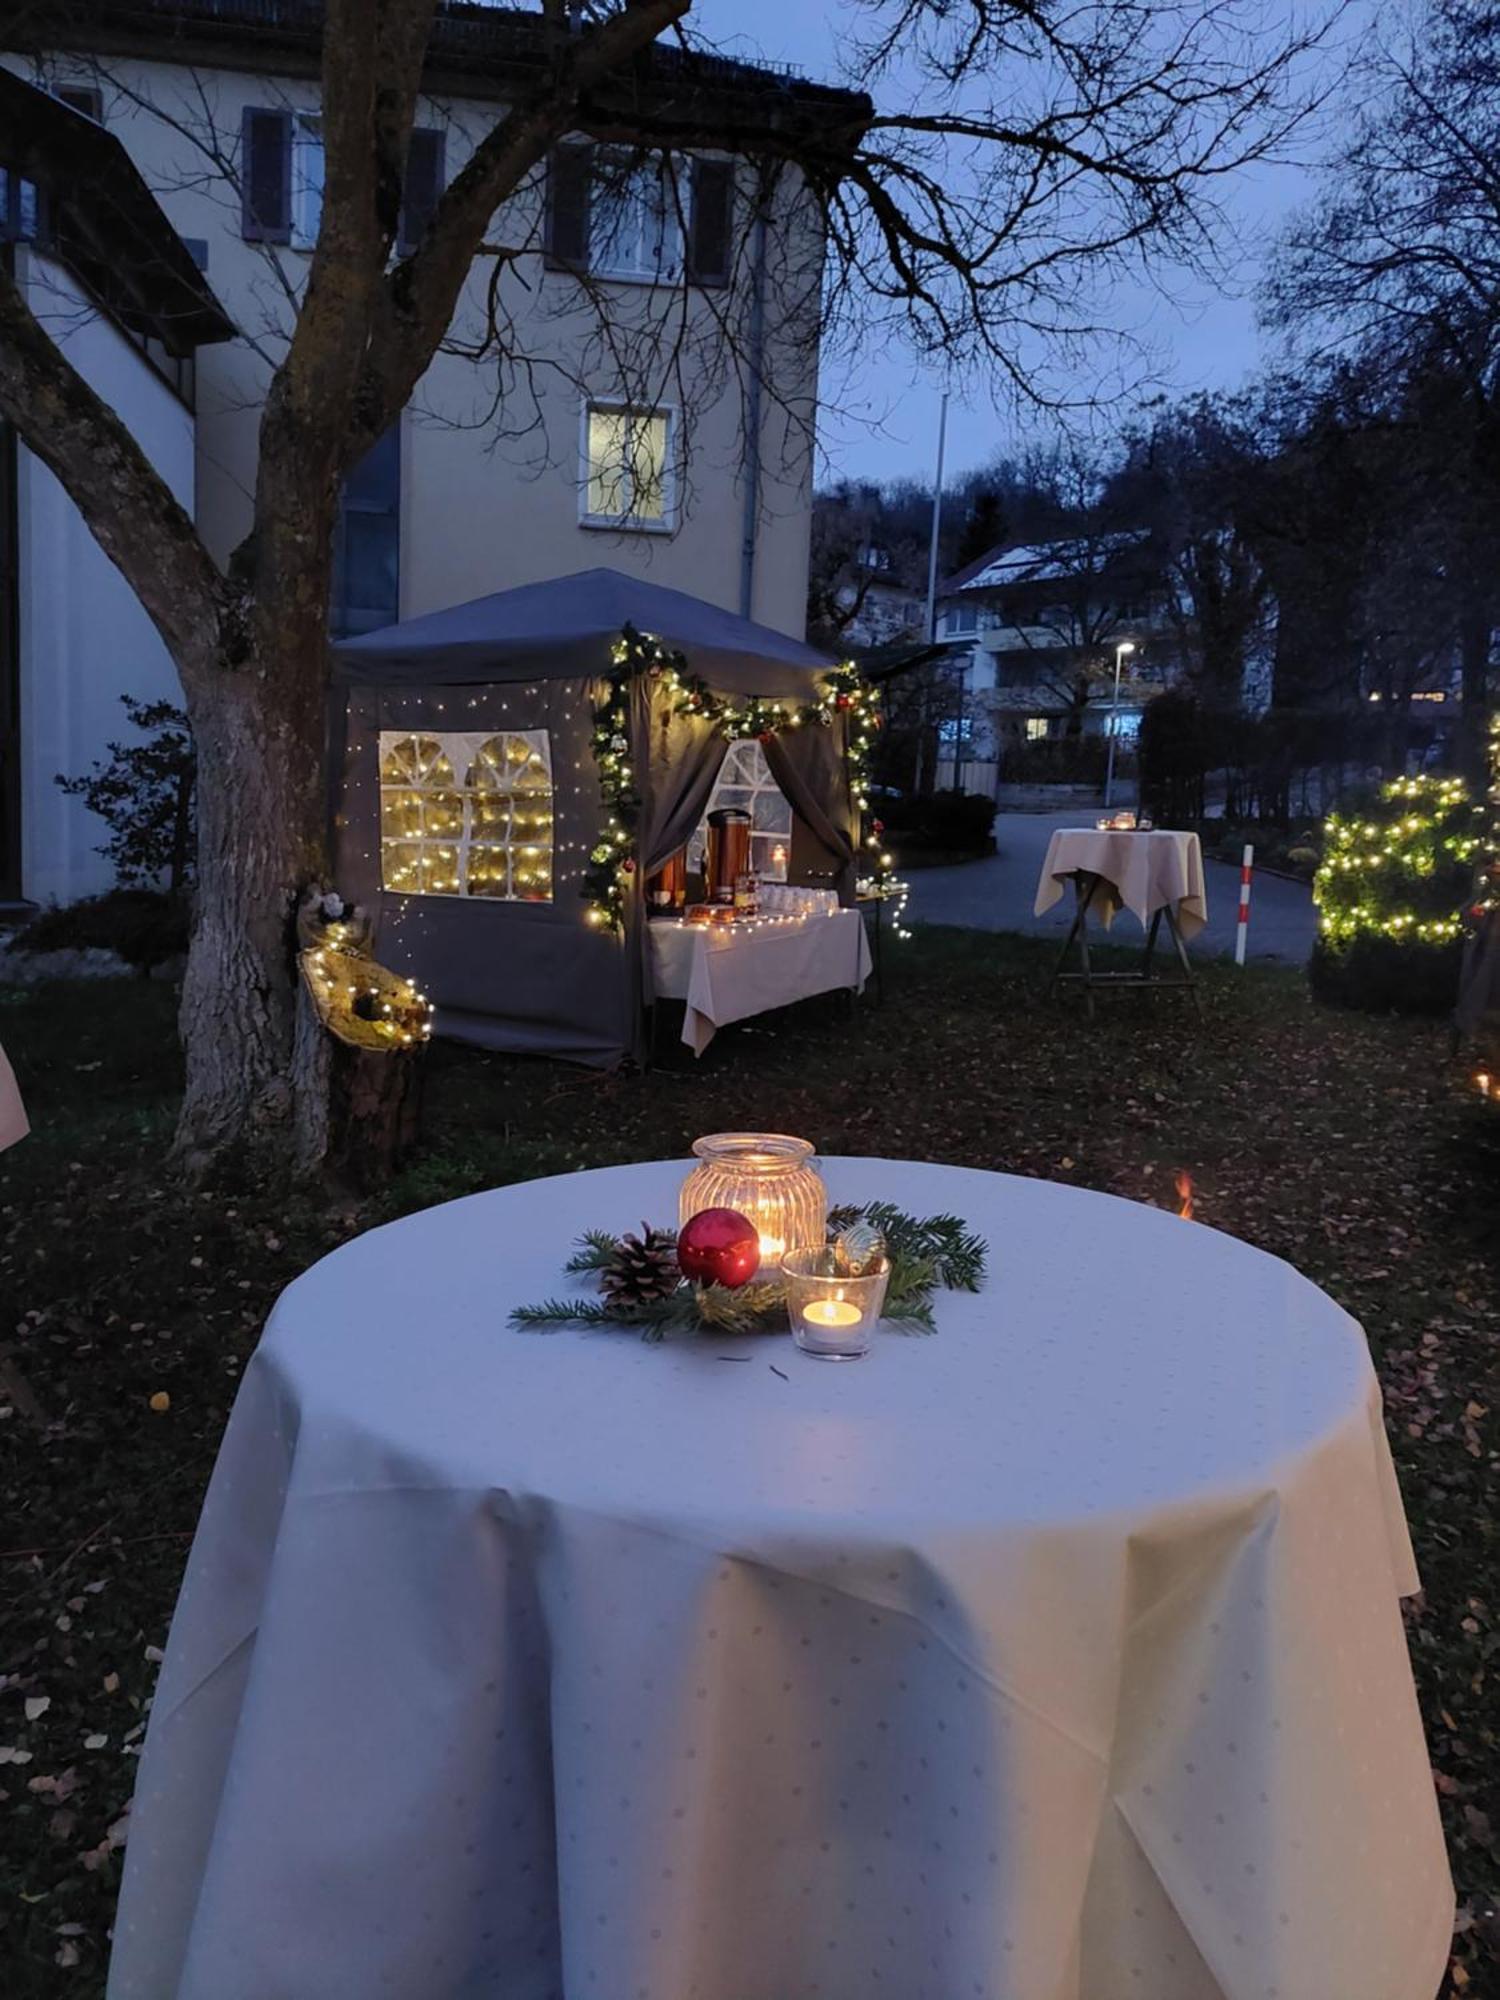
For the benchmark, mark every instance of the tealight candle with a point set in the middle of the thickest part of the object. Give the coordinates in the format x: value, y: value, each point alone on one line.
x: 831, y: 1312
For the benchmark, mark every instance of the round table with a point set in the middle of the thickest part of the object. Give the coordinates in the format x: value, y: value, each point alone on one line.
x: 1055, y: 1657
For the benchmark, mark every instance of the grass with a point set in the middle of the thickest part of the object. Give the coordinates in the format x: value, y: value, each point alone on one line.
x: 1343, y: 1142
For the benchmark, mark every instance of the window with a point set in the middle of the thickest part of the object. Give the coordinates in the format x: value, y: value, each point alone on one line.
x: 745, y: 781
x: 959, y: 620
x: 307, y: 180
x: 952, y: 732
x: 20, y: 208
x: 618, y: 214
x: 366, y: 590
x: 84, y: 97
x: 281, y: 179
x: 627, y: 474
x: 1038, y: 728
x: 467, y: 814
x: 635, y: 227
x: 1125, y: 724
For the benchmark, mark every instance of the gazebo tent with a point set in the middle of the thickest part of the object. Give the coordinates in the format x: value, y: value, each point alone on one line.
x: 470, y: 799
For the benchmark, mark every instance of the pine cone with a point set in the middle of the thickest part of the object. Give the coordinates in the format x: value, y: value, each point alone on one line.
x: 643, y: 1270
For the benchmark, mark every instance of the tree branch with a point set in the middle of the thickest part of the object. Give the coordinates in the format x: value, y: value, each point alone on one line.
x: 126, y: 504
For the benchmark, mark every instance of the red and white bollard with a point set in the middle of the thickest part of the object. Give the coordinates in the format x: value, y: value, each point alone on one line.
x: 1243, y: 926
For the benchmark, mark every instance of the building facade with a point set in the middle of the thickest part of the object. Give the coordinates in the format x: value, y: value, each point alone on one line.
x: 1034, y: 638
x: 73, y: 638
x: 631, y: 374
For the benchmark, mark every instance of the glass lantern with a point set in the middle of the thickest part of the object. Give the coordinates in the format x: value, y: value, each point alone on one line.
x: 768, y: 1177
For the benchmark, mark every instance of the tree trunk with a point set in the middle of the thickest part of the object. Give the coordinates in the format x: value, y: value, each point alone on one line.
x: 1474, y: 656
x: 257, y: 1058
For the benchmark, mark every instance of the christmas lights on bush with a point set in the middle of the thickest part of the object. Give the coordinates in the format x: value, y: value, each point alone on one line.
x: 1399, y: 868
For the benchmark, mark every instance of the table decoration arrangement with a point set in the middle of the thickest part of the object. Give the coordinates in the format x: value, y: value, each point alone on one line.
x: 874, y: 1262
x: 1061, y: 1654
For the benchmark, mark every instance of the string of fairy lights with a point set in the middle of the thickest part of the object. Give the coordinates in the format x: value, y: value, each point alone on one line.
x: 843, y: 695
x: 1398, y: 869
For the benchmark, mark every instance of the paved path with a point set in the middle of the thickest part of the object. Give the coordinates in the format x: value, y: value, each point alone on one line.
x: 997, y: 894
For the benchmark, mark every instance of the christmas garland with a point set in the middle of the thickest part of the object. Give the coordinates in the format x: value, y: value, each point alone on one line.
x: 613, y: 859
x: 643, y: 1288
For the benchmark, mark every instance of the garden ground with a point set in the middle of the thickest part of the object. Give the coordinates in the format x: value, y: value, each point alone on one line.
x: 1348, y: 1144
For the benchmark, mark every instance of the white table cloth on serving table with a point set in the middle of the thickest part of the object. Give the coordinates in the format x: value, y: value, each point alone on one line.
x: 1056, y: 1657
x: 1140, y: 872
x: 727, y: 972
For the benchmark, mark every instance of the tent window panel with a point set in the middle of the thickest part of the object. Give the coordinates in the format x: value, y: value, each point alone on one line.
x: 745, y: 781
x: 466, y: 813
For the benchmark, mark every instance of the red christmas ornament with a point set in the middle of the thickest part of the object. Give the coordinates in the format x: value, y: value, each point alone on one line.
x: 719, y: 1246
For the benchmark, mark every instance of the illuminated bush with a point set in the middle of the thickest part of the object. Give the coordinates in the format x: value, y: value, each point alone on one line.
x: 1391, y: 894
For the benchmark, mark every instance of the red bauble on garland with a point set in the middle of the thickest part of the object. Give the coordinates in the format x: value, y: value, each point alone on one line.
x: 719, y: 1246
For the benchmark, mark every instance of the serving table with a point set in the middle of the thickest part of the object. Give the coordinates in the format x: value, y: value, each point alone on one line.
x: 1055, y: 1657
x: 1153, y: 874
x: 728, y: 972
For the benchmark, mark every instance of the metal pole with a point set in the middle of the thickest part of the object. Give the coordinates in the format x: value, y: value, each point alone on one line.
x: 751, y: 473
x: 937, y: 523
x: 1114, y: 730
x: 1242, y: 928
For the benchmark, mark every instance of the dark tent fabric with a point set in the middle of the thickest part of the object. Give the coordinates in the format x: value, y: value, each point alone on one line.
x: 554, y: 630
x: 526, y: 972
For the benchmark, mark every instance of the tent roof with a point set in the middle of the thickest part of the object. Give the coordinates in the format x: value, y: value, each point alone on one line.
x: 563, y: 628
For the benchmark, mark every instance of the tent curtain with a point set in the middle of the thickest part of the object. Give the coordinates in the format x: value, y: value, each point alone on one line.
x: 678, y: 757
x: 809, y: 765
x: 687, y: 755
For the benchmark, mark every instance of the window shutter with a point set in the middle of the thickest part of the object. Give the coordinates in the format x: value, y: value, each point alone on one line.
x: 710, y: 223
x: 424, y: 184
x: 266, y: 176
x: 569, y: 172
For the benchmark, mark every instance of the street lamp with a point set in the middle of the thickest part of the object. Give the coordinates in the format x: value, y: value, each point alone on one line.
x: 1125, y: 646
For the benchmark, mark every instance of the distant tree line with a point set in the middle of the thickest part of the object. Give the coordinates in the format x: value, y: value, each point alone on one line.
x: 1341, y: 516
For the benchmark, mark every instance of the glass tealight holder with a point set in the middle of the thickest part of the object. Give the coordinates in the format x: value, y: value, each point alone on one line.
x: 769, y: 1177
x: 833, y: 1317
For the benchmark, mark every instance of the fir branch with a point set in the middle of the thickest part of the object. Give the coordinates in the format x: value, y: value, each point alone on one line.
x: 596, y: 1251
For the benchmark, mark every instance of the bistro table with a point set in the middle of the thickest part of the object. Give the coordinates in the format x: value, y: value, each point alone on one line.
x: 1152, y: 874
x: 728, y: 972
x: 1055, y: 1657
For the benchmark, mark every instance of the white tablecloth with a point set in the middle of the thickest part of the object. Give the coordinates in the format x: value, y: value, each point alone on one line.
x: 1140, y: 872
x: 1056, y: 1657
x: 13, y: 1122
x: 728, y: 972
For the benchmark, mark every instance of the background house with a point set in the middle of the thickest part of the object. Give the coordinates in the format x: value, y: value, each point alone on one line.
x: 98, y: 263
x: 1031, y: 635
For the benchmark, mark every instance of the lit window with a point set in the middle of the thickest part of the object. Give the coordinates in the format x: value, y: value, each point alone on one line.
x: 307, y: 180
x: 635, y: 218
x: 1038, y: 729
x: 745, y: 781
x: 627, y: 476
x: 487, y: 833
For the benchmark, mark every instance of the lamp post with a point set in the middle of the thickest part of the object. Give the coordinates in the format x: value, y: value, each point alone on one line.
x: 1125, y: 646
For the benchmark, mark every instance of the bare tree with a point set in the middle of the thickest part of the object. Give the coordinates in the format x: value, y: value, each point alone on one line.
x: 1398, y: 269
x: 1047, y: 148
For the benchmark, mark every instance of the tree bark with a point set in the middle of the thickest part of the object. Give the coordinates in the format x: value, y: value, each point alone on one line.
x: 256, y: 1060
